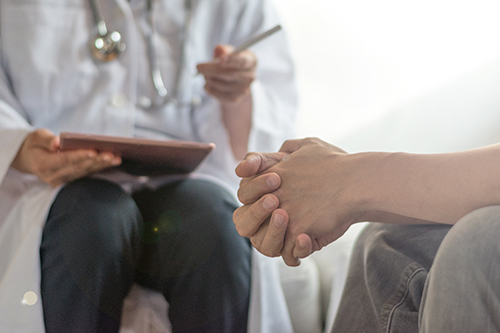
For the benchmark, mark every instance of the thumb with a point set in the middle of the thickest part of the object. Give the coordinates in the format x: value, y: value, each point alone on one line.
x: 255, y: 163
x: 222, y: 51
x: 303, y: 246
x: 46, y: 139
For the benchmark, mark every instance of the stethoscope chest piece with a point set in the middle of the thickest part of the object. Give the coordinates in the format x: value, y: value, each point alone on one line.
x: 105, y: 46
x: 108, y: 46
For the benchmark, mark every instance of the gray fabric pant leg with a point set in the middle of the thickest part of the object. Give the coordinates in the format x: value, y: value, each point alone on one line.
x: 386, y: 278
x: 462, y: 293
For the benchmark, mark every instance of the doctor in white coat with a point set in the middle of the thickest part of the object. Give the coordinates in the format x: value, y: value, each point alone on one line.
x: 92, y: 238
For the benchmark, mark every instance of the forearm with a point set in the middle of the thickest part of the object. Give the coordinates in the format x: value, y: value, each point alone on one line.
x: 432, y: 187
x: 386, y: 217
x: 237, y: 118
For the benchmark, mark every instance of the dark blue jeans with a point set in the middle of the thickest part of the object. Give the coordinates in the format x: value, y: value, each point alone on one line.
x: 178, y: 239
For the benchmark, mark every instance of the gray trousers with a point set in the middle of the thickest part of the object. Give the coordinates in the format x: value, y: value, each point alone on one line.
x: 427, y: 278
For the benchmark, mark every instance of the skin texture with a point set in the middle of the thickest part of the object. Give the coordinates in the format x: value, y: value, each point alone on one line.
x: 40, y: 155
x: 307, y: 195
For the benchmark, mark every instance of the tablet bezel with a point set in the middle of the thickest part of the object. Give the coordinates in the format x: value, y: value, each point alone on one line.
x: 142, y: 156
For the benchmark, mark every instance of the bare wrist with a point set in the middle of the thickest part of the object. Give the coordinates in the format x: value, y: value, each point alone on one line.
x: 237, y: 103
x: 370, y: 172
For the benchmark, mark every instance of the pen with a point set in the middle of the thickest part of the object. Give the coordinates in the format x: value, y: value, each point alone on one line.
x: 254, y: 40
x: 257, y: 39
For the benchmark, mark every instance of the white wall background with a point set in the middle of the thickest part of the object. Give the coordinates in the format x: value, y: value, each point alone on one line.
x: 397, y: 74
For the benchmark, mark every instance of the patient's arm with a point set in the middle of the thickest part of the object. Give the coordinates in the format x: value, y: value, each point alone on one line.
x: 324, y: 190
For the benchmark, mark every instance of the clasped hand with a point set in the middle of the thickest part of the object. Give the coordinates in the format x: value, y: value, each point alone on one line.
x: 298, y: 200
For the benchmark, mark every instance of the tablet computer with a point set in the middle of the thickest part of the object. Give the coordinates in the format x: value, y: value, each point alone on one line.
x: 143, y: 157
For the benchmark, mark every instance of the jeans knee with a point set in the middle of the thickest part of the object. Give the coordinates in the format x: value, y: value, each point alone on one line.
x: 472, y: 240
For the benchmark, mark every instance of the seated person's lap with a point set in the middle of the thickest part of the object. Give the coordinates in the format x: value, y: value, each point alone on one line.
x: 178, y: 239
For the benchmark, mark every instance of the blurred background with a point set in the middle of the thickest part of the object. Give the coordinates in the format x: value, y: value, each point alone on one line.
x: 419, y: 76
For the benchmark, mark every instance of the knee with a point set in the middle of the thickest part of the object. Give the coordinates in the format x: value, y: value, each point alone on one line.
x: 94, y: 214
x: 473, y: 241
x: 191, y: 209
x: 389, y: 249
x: 192, y: 221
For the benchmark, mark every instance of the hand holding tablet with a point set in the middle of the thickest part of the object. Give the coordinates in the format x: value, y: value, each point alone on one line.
x: 143, y: 157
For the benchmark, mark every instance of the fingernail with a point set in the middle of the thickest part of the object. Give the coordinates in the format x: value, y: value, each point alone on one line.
x: 254, y: 157
x: 278, y: 220
x: 269, y: 203
x: 272, y: 181
x: 302, y: 243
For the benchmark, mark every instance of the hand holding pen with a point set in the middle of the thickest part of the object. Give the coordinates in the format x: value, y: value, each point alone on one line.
x: 229, y: 76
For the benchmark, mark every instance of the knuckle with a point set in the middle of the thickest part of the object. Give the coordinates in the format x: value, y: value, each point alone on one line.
x: 239, y: 224
x: 255, y: 243
x: 309, y: 140
x: 242, y: 231
x: 255, y: 212
x: 241, y: 193
x: 270, y: 252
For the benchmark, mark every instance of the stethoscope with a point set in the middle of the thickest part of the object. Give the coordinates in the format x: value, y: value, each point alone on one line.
x: 107, y: 46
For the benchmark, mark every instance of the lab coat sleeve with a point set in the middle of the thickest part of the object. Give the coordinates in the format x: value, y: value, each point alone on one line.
x: 274, y: 93
x: 13, y: 125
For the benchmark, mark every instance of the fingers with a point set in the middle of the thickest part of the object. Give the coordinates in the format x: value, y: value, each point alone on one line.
x: 289, y: 146
x: 229, y: 76
x: 297, y: 249
x: 226, y: 84
x: 249, y: 218
x: 225, y: 74
x: 241, y: 61
x: 255, y: 163
x: 303, y: 246
x: 79, y: 167
x: 63, y: 167
x: 227, y: 58
x: 274, y: 238
x: 229, y: 84
x: 222, y: 50
x: 250, y: 191
x: 287, y: 252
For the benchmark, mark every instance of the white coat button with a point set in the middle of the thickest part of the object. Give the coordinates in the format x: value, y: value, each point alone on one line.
x: 118, y: 101
x: 196, y: 101
x: 144, y: 102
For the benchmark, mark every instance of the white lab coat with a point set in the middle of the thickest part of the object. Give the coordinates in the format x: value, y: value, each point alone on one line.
x: 48, y: 79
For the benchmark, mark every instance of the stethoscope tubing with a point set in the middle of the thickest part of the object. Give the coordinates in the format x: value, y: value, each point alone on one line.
x: 167, y: 97
x: 115, y: 50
